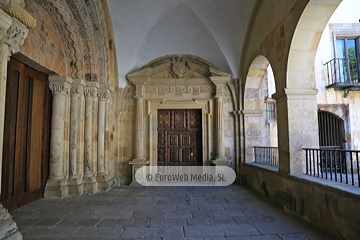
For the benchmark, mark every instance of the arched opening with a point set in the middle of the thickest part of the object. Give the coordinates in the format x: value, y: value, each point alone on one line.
x: 260, y: 126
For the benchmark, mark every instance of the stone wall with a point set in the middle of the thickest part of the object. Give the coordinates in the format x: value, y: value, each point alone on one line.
x: 334, y: 207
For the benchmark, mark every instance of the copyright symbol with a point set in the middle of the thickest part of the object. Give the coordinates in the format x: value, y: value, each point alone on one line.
x: 149, y: 177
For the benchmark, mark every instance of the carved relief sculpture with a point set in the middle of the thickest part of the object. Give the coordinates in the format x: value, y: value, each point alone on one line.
x: 178, y: 67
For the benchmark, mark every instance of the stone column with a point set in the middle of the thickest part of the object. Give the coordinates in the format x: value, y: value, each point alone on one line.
x: 89, y: 179
x: 298, y: 127
x: 75, y: 186
x: 139, y: 125
x: 12, y: 35
x: 139, y: 159
x: 219, y: 157
x: 102, y: 96
x: 102, y: 176
x: 60, y: 88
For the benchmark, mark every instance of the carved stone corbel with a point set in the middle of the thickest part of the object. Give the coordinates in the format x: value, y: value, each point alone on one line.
x: 16, y: 35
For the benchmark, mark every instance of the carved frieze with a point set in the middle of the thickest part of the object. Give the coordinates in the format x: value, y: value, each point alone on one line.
x: 151, y: 89
x: 170, y: 89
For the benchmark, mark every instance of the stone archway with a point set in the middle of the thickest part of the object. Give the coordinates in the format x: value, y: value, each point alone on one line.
x: 296, y: 102
x: 255, y: 130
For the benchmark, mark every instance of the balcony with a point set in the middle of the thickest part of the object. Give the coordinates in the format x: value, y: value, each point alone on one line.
x: 343, y: 74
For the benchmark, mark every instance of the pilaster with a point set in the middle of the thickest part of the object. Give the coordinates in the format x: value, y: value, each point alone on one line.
x: 297, y: 116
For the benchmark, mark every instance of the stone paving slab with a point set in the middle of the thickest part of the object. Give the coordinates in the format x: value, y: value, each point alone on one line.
x: 186, y: 213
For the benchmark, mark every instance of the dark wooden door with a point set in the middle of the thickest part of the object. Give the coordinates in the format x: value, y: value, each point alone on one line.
x: 26, y: 136
x: 179, y: 138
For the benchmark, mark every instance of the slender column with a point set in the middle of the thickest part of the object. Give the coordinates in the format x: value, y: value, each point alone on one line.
x: 102, y: 96
x: 74, y: 122
x: 89, y: 174
x: 139, y: 143
x: 90, y: 93
x: 219, y: 128
x: 74, y: 182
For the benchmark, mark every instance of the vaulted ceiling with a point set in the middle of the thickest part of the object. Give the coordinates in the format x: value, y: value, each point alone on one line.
x: 211, y: 29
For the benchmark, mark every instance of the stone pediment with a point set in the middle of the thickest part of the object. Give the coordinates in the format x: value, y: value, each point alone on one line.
x: 178, y: 67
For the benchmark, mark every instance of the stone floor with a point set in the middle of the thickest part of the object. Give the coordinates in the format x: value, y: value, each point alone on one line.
x: 205, y: 213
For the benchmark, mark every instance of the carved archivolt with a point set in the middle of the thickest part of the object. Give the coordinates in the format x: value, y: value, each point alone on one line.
x: 16, y: 11
x: 84, y: 31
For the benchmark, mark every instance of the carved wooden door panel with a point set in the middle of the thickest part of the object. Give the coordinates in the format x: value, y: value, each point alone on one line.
x: 179, y: 138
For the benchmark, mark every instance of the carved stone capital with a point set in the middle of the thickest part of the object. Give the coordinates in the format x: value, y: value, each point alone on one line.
x: 16, y: 35
x: 77, y: 88
x: 91, y: 89
x: 59, y: 84
x: 18, y: 12
x: 103, y: 94
x: 90, y: 92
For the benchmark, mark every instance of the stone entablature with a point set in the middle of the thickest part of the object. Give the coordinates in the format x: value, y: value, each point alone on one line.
x: 179, y: 82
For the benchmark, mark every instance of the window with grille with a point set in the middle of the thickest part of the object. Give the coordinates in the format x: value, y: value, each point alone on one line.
x: 270, y: 113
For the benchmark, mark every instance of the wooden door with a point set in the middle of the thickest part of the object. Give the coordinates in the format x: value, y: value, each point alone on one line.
x: 26, y: 135
x: 179, y: 138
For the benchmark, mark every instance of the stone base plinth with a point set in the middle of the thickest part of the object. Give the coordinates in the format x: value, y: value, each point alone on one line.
x: 220, y: 162
x: 136, y: 164
x: 56, y: 188
x: 8, y: 228
x: 104, y: 182
x: 75, y: 186
x: 90, y: 184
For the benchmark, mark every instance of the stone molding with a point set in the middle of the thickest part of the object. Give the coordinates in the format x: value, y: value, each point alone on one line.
x: 60, y: 84
x: 16, y: 35
x: 5, y: 23
x: 295, y: 94
x: 252, y: 113
x: 16, y: 11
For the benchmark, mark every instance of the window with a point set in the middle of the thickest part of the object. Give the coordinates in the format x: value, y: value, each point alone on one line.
x: 344, y: 68
x: 347, y: 54
x: 270, y: 109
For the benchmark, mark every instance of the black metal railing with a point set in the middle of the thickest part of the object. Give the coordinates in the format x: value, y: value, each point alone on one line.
x: 333, y: 164
x: 343, y: 71
x: 267, y: 155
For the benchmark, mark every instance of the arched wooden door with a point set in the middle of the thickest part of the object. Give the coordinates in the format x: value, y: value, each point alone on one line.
x: 26, y: 135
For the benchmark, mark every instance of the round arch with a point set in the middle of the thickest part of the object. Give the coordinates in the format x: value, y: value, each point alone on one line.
x: 256, y: 132
x: 306, y: 38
